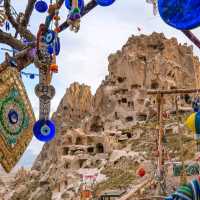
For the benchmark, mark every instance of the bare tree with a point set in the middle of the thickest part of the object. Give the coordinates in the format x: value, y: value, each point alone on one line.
x: 31, y: 52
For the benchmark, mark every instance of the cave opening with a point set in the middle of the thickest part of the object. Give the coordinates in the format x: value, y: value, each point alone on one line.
x: 99, y: 148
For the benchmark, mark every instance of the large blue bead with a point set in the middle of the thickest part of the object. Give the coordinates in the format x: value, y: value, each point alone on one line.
x: 44, y: 130
x: 41, y: 6
x: 105, y: 2
x: 180, y: 14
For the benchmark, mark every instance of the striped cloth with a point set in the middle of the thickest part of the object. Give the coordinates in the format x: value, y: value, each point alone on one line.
x: 189, y: 191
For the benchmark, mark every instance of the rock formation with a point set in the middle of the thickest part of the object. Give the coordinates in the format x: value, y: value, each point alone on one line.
x: 103, y: 133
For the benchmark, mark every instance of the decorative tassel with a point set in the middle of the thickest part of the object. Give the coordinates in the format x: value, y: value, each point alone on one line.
x: 74, y: 17
x: 54, y: 66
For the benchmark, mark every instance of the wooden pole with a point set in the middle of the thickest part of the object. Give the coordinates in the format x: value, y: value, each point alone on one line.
x: 173, y: 91
x: 161, y: 189
x: 183, y: 177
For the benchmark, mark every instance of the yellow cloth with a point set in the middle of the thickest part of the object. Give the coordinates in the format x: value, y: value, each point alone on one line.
x: 190, y: 122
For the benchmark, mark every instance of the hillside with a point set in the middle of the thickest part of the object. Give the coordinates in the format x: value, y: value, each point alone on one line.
x: 113, y: 133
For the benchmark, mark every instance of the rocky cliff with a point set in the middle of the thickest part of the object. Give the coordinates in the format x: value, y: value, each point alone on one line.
x: 109, y: 134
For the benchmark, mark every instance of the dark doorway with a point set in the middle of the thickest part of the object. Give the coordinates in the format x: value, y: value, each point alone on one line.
x: 99, y: 148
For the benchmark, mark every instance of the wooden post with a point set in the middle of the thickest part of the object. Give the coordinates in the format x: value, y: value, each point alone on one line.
x: 183, y: 177
x: 161, y: 184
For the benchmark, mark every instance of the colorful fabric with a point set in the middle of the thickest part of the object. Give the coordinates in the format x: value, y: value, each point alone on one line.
x: 189, y: 191
x: 191, y: 169
x: 193, y: 123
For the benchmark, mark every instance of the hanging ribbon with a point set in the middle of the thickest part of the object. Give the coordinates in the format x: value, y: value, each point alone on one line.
x: 74, y: 16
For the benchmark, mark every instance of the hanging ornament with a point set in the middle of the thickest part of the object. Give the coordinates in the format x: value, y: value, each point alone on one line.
x: 41, y: 6
x: 193, y: 123
x: 154, y: 2
x: 141, y: 172
x: 74, y: 20
x: 49, y: 36
x: 16, y: 118
x: 69, y: 6
x: 105, y: 2
x: 54, y: 66
x: 196, y: 104
x: 52, y: 8
x: 183, y: 15
x: 44, y: 130
x: 74, y: 16
x: 190, y: 122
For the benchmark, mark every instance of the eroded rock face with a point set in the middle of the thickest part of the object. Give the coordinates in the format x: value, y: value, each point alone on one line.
x: 75, y: 105
x: 89, y: 129
x: 145, y: 62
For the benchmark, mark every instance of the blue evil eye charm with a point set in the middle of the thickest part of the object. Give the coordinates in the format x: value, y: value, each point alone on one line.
x: 49, y: 37
x: 105, y: 2
x: 183, y: 15
x: 13, y: 117
x: 41, y: 6
x: 44, y: 130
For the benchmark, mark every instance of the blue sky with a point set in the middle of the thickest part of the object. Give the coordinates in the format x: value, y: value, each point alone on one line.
x: 83, y: 56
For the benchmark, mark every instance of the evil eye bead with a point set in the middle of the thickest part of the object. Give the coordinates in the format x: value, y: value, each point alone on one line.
x: 13, y: 117
x: 44, y: 130
x: 49, y: 37
x: 183, y: 15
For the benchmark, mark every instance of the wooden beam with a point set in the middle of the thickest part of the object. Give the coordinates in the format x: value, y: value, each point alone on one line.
x: 173, y: 91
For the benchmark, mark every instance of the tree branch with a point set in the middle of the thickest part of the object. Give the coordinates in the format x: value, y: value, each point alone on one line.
x: 20, y: 29
x: 21, y: 59
x: 91, y: 5
x: 28, y: 12
x: 8, y: 39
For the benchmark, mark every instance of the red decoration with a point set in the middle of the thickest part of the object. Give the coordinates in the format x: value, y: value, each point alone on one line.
x: 141, y: 172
